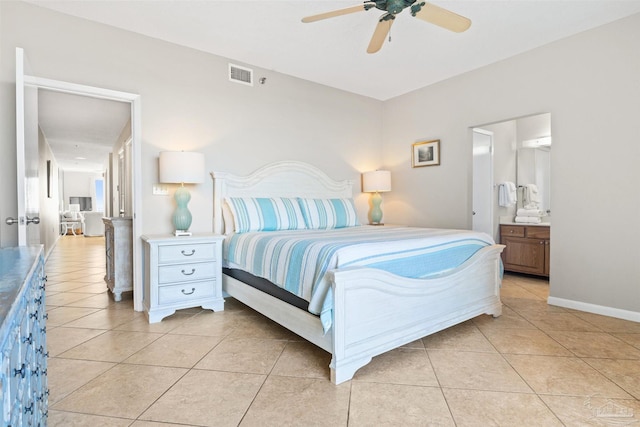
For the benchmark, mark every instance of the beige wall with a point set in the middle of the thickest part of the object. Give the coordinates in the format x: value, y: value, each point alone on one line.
x: 590, y: 85
x: 189, y: 104
x: 49, y: 213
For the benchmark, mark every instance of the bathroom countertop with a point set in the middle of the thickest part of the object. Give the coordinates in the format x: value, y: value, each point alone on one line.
x: 540, y: 224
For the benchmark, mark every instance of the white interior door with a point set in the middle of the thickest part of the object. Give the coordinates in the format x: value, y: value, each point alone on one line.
x: 483, y: 181
x: 28, y: 188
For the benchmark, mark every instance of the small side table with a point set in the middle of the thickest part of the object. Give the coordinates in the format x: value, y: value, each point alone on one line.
x: 65, y: 226
x: 181, y: 272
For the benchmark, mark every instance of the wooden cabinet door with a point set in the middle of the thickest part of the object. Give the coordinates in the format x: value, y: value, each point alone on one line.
x: 524, y: 255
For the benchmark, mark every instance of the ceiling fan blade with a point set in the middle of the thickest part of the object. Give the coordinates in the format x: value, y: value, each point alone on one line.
x: 443, y: 18
x: 380, y: 33
x: 339, y: 12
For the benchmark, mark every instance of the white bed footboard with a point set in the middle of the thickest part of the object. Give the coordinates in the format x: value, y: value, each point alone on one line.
x: 399, y: 310
x: 375, y: 311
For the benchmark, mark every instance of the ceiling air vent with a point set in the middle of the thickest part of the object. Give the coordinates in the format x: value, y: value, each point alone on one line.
x: 240, y: 74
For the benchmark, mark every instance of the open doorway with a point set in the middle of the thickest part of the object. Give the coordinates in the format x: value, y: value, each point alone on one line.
x: 133, y: 100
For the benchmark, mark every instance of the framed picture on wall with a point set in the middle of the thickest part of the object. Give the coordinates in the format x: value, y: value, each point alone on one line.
x: 426, y: 153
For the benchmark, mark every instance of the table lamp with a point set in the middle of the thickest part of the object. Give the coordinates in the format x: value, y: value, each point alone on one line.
x: 180, y: 167
x: 376, y: 182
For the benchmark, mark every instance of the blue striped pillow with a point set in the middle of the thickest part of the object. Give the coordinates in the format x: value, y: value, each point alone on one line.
x: 265, y: 214
x: 329, y: 213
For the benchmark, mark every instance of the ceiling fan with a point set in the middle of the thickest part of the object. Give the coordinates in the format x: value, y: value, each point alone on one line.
x: 423, y: 10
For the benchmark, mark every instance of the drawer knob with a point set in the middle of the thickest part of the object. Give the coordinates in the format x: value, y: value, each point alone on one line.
x: 20, y: 372
x: 28, y: 339
x: 193, y: 251
x: 193, y: 270
x: 189, y: 293
x: 511, y: 231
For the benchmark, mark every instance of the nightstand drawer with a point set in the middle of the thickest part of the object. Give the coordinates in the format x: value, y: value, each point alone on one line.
x: 186, y: 252
x: 186, y: 272
x: 186, y: 292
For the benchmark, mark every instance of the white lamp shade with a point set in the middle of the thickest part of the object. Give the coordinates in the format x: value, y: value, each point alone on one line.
x: 181, y: 167
x: 379, y: 181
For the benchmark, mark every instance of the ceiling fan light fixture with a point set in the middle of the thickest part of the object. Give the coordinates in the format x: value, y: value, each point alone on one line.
x: 426, y: 11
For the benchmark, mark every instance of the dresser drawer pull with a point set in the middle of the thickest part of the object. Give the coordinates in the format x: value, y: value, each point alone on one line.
x: 28, y: 339
x: 189, y: 293
x: 21, y: 372
x: 193, y: 270
x: 193, y: 251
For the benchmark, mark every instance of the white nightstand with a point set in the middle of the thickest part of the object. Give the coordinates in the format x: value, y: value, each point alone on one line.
x: 182, y: 272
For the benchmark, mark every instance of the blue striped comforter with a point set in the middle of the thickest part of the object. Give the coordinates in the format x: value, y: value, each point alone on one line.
x: 297, y: 260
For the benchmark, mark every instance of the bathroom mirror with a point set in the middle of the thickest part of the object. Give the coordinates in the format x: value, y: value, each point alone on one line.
x: 533, y: 160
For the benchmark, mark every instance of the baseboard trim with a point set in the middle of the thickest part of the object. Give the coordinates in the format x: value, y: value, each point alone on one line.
x: 634, y: 316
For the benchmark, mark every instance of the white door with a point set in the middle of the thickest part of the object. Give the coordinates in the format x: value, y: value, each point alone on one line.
x: 28, y: 188
x: 483, y: 182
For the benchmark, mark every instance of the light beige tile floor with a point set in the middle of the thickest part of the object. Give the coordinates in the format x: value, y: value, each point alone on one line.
x: 537, y: 365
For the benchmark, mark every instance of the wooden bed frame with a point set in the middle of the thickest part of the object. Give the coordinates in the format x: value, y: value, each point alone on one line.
x: 374, y: 311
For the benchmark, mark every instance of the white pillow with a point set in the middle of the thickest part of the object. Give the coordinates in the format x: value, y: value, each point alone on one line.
x: 265, y: 214
x: 227, y: 218
x: 329, y: 213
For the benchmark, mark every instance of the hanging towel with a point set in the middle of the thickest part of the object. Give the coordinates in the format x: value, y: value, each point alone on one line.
x: 507, y: 194
x: 531, y: 198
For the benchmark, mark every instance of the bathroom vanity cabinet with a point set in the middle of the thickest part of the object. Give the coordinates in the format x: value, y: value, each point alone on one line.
x: 527, y: 248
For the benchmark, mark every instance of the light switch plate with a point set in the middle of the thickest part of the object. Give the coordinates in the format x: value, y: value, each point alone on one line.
x: 160, y: 190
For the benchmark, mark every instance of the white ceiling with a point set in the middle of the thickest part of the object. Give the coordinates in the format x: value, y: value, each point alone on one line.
x: 81, y: 130
x: 269, y: 34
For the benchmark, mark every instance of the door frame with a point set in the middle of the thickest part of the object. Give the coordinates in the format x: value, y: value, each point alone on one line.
x: 489, y: 190
x: 136, y: 141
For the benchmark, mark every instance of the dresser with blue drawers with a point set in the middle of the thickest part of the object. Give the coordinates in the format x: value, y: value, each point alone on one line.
x: 23, y: 345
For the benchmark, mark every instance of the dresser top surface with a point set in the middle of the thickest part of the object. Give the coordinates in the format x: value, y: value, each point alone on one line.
x: 15, y: 265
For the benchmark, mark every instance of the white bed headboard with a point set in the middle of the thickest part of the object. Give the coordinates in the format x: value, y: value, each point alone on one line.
x: 280, y: 179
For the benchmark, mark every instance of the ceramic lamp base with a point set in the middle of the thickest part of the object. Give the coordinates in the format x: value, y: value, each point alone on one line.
x: 376, y: 212
x: 182, y: 216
